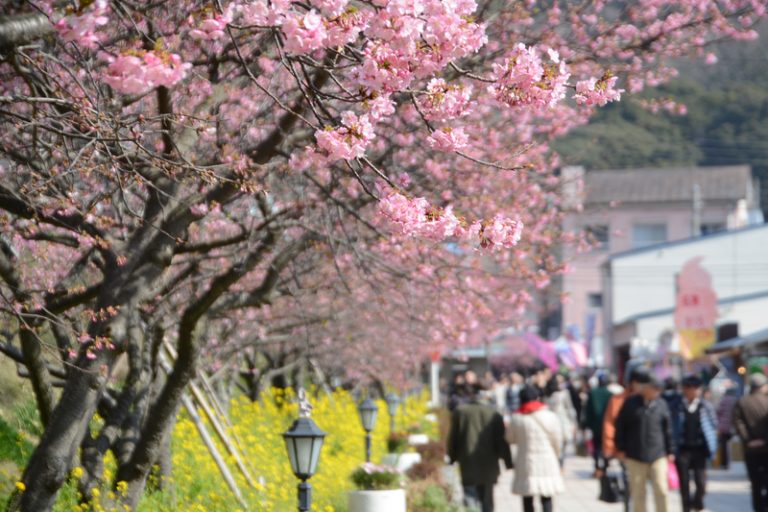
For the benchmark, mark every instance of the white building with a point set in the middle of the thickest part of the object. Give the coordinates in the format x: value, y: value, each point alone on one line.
x: 640, y: 288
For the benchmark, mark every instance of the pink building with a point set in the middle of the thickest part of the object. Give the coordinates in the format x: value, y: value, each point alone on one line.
x: 633, y: 208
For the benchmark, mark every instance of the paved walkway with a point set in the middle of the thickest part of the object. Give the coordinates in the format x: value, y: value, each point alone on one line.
x: 727, y: 491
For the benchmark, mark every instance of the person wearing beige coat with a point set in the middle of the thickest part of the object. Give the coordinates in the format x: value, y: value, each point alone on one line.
x: 538, y: 436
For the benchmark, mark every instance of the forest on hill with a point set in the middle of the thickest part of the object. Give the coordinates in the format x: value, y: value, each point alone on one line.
x: 725, y: 120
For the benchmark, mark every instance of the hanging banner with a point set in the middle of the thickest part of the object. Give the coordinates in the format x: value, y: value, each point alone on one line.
x: 695, y: 310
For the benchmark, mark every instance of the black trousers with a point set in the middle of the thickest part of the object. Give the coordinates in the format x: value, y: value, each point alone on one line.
x: 692, y: 462
x: 479, y: 497
x: 597, y: 451
x: 757, y: 471
x: 722, y: 446
x: 546, y: 504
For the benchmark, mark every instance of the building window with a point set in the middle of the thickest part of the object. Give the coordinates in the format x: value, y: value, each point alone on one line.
x: 712, y: 227
x: 648, y: 234
x: 599, y: 235
x: 595, y: 300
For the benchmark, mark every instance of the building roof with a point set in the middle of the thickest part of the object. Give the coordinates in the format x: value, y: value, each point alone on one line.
x: 685, y: 241
x: 727, y: 183
x: 740, y: 342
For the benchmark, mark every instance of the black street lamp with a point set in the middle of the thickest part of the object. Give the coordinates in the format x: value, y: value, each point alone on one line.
x: 393, y: 402
x: 368, y: 411
x: 304, y: 440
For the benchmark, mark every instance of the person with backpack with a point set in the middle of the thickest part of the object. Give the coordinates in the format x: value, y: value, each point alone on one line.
x: 696, y: 440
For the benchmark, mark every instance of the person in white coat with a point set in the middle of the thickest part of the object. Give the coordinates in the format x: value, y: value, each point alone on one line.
x: 537, y: 433
x: 558, y: 399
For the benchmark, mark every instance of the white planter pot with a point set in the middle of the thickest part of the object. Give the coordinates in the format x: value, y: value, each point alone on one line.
x: 417, y: 439
x: 392, y: 500
x: 402, y: 461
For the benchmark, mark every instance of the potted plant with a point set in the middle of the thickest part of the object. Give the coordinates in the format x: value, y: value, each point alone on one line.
x: 401, y: 454
x: 380, y: 489
x: 416, y: 435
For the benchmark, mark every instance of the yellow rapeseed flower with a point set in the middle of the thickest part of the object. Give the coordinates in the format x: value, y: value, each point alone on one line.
x: 21, y: 487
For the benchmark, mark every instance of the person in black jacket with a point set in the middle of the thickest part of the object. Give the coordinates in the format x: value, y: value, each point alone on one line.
x: 476, y: 441
x: 644, y: 443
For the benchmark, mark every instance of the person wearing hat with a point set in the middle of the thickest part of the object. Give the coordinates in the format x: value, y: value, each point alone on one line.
x: 750, y: 420
x: 696, y: 440
x: 644, y: 443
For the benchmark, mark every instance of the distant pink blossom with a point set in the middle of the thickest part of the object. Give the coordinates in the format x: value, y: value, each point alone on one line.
x: 138, y: 72
x: 501, y: 232
x: 448, y: 139
x: 80, y: 26
x: 264, y: 13
x: 213, y: 28
x: 304, y: 33
x: 598, y: 92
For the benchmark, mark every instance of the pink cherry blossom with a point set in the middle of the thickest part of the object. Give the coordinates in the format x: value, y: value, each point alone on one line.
x: 525, y: 79
x: 597, y: 92
x: 213, y: 28
x: 80, y: 26
x: 138, y: 72
x: 304, y: 34
x: 448, y: 139
x: 444, y: 101
x: 348, y: 141
x: 501, y: 232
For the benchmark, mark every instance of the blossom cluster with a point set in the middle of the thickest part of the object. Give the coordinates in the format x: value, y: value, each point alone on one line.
x: 213, y: 27
x: 138, y: 71
x: 526, y: 79
x: 448, y: 139
x: 417, y: 218
x: 444, y: 101
x: 80, y: 25
x: 595, y: 91
x: 349, y: 140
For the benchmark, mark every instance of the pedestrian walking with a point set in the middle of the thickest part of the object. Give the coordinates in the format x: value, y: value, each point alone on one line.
x: 597, y: 402
x: 537, y: 433
x: 516, y: 383
x: 696, y: 441
x: 558, y: 399
x: 674, y: 400
x: 476, y: 441
x: 644, y: 443
x: 615, y: 403
x: 750, y: 420
x: 725, y: 425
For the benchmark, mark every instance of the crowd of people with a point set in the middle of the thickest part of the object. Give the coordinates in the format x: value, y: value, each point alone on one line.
x: 654, y: 431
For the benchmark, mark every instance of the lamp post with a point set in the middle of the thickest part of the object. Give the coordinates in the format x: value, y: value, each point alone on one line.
x: 393, y: 402
x: 368, y: 411
x: 304, y: 440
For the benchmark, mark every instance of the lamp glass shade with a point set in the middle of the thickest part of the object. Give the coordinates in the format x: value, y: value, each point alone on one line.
x: 368, y: 412
x: 304, y: 441
x: 393, y: 402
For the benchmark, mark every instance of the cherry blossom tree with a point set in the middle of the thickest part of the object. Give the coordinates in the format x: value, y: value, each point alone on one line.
x: 367, y: 178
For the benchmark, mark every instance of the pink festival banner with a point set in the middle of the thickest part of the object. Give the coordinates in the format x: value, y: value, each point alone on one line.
x: 543, y: 350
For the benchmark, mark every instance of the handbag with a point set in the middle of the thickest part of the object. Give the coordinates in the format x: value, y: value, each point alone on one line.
x: 673, y: 478
x: 611, y: 488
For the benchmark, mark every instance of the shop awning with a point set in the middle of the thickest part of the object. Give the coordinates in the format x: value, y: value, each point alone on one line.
x: 740, y: 342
